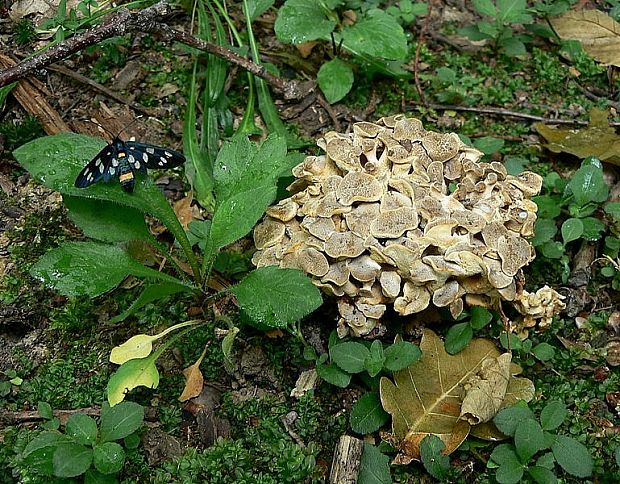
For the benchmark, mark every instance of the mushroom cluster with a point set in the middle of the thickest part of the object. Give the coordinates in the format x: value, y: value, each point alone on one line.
x: 395, y: 214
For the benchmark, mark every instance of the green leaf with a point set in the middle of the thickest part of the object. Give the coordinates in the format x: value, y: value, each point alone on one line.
x: 543, y: 351
x: 333, y: 374
x: 552, y: 250
x: 515, y: 165
x: 617, y: 455
x: 513, y: 11
x: 375, y: 360
x: 544, y: 231
x: 349, y: 356
x: 236, y: 216
x: 400, y: 355
x: 435, y: 462
x: 367, y: 415
x: 335, y: 79
x: 82, y: 428
x: 553, y: 415
x: 587, y: 185
x: 546, y: 460
x: 71, y: 460
x: 90, y: 268
x: 376, y: 34
x: 571, y: 229
x: 150, y: 293
x: 488, y: 144
x: 485, y: 7
x: 227, y: 344
x: 93, y: 476
x: 258, y: 7
x: 458, y: 337
x: 45, y: 410
x: 132, y: 441
x: 529, y: 439
x: 274, y: 297
x: 4, y: 92
x: 39, y: 452
x: 509, y: 418
x: 131, y: 374
x: 55, y: 161
x: 479, y: 317
x: 198, y: 169
x: 542, y: 475
x: 512, y: 46
x: 592, y: 228
x: 613, y: 209
x: 121, y: 420
x: 108, y: 457
x: 243, y: 166
x: 107, y: 221
x: 549, y: 206
x: 446, y: 74
x: 572, y: 456
x: 374, y: 467
x: 510, y: 470
x: 301, y: 21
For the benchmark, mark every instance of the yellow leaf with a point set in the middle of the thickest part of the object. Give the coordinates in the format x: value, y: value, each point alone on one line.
x: 138, y: 346
x: 598, y: 33
x: 141, y: 345
x: 132, y: 374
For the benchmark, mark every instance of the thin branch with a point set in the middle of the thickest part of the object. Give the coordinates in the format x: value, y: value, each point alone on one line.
x: 99, y: 87
x: 147, y: 20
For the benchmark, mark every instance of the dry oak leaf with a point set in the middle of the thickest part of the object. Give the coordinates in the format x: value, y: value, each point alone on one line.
x: 598, y: 139
x: 598, y: 33
x: 427, y: 397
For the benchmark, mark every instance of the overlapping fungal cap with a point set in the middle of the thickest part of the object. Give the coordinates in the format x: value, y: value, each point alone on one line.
x: 393, y: 214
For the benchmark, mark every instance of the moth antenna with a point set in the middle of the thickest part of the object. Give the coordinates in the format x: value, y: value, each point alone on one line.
x: 129, y: 125
x: 102, y: 127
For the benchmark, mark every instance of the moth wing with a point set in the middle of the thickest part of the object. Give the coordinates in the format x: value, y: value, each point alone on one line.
x: 96, y: 169
x: 153, y: 156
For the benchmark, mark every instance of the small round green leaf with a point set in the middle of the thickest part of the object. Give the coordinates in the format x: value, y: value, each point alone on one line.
x: 71, y: 460
x: 400, y: 355
x: 542, y: 475
x: 479, y: 317
x: 82, y: 428
x: 367, y: 415
x: 108, y: 457
x: 301, y: 21
x: 573, y: 456
x: 374, y: 467
x: 333, y: 374
x: 553, y: 415
x: 529, y: 439
x: 543, y: 351
x: 121, y: 420
x: 435, y: 462
x: 509, y: 418
x: 335, y: 79
x: 458, y: 337
x: 572, y: 229
x: 350, y: 356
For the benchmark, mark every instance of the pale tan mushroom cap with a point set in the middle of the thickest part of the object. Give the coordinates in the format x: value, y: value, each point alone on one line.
x: 395, y: 214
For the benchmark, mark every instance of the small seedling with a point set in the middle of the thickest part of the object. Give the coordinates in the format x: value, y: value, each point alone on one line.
x: 84, y: 447
x: 532, y: 438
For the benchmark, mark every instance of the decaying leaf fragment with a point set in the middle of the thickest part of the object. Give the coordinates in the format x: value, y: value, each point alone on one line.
x: 445, y: 395
x: 598, y: 139
x: 598, y: 33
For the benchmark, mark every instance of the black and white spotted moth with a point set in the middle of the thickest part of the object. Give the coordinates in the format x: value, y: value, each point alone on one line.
x: 122, y: 159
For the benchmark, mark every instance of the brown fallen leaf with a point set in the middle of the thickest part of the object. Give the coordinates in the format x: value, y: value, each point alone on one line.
x: 597, y: 139
x: 427, y: 397
x: 184, y: 210
x: 194, y: 381
x: 486, y: 390
x: 598, y: 33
